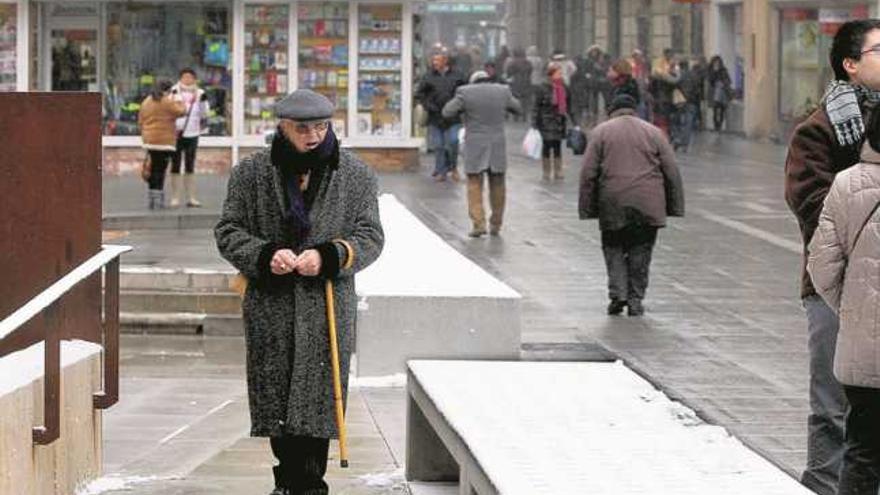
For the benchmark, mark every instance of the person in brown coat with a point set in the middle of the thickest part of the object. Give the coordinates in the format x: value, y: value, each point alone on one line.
x: 630, y: 182
x: 156, y: 118
x: 828, y: 142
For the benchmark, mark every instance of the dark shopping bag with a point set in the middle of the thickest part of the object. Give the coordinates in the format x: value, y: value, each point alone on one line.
x: 576, y: 140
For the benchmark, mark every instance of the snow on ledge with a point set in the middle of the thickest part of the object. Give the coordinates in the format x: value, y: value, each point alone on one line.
x: 598, y: 428
x: 416, y: 262
x: 21, y: 368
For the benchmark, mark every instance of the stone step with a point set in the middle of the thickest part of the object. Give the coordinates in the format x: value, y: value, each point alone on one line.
x: 181, y: 323
x: 182, y: 301
x: 170, y: 220
x: 150, y: 278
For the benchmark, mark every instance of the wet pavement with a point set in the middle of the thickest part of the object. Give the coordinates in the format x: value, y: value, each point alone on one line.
x: 724, y: 330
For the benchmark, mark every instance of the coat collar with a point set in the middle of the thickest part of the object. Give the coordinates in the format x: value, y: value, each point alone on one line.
x: 869, y: 155
x: 620, y: 112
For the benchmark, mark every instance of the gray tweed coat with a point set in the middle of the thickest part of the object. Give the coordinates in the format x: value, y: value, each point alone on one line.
x: 288, y: 361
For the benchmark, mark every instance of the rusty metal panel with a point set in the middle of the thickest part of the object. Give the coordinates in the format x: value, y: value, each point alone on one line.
x: 50, y: 206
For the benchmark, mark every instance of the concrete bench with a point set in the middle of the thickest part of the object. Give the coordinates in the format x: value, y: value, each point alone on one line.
x: 422, y: 299
x: 569, y: 428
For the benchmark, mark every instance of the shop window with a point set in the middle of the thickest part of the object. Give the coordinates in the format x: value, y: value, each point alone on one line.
x: 323, y: 55
x: 151, y: 41
x: 266, y: 45
x: 7, y: 47
x: 379, y: 70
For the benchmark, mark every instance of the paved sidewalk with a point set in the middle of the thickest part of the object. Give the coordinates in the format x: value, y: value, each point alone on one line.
x: 724, y: 329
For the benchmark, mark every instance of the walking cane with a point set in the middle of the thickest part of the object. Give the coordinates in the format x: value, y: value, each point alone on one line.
x: 337, y: 382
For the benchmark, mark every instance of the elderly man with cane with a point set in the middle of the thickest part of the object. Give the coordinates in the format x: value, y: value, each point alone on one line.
x: 299, y: 220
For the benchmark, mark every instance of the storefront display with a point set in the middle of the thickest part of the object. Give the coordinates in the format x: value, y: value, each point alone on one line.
x: 380, y: 65
x: 323, y: 55
x: 804, y: 71
x: 151, y: 41
x: 266, y: 45
x: 7, y: 47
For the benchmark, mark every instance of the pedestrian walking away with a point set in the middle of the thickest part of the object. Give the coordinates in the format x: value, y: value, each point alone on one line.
x: 842, y: 264
x: 297, y: 215
x: 719, y: 91
x: 484, y: 105
x: 551, y: 113
x: 189, y: 128
x: 664, y: 82
x: 435, y: 90
x: 156, y: 120
x: 826, y: 143
x: 630, y: 182
x: 518, y: 73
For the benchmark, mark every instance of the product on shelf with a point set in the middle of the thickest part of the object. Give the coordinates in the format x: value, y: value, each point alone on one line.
x: 323, y: 54
x: 266, y: 46
x: 380, y: 62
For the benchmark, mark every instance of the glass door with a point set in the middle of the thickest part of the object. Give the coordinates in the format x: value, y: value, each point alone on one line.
x: 71, y: 52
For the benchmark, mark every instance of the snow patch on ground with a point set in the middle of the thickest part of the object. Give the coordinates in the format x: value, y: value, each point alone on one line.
x: 21, y: 368
x: 598, y: 428
x: 391, y: 381
x: 111, y: 483
x: 416, y: 262
x: 393, y: 479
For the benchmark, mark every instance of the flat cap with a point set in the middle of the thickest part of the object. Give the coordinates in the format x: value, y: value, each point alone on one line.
x: 304, y: 105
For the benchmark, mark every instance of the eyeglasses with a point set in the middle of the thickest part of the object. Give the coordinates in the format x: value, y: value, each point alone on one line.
x: 304, y: 129
x: 873, y: 49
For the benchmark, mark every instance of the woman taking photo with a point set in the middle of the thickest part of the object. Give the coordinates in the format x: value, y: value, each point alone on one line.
x: 156, y: 119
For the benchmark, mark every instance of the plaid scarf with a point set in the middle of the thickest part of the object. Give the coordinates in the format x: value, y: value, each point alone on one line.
x: 843, y: 103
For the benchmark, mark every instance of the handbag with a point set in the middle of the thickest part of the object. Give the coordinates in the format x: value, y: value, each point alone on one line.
x: 146, y: 168
x: 576, y: 140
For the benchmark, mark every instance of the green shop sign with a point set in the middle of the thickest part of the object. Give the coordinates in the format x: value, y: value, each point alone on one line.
x: 463, y: 8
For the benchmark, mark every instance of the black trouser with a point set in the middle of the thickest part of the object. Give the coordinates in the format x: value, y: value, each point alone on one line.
x: 718, y: 110
x: 158, y: 165
x: 302, y: 464
x: 628, y: 259
x: 186, y: 149
x: 860, y: 474
x: 551, y: 145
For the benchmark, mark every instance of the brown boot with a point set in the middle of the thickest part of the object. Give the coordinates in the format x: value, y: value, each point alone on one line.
x: 497, y: 192
x: 545, y: 162
x: 557, y: 168
x: 475, y: 204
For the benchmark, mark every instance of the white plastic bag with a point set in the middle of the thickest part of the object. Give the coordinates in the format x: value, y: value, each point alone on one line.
x: 532, y: 144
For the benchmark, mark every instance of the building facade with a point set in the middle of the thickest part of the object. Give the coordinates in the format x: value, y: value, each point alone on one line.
x: 247, y: 54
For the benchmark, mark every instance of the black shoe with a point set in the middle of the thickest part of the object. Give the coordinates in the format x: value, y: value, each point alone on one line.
x: 635, y: 308
x: 615, y: 307
x: 280, y: 491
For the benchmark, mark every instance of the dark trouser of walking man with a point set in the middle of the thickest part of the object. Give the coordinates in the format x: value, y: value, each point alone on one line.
x: 628, y: 259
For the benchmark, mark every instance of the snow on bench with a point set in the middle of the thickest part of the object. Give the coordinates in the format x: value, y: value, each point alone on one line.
x: 569, y: 428
x: 423, y: 299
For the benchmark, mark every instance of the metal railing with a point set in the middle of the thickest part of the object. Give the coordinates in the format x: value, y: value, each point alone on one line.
x: 107, y: 259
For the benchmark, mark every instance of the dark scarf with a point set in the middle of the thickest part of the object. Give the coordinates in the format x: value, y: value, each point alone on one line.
x: 294, y: 166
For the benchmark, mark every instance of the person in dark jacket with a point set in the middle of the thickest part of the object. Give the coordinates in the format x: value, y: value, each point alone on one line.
x: 827, y: 142
x: 685, y: 116
x: 719, y: 90
x: 435, y: 90
x: 551, y: 113
x: 622, y: 81
x: 630, y: 182
x: 296, y: 215
x: 518, y: 73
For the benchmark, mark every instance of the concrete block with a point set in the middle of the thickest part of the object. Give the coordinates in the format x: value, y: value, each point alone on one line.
x: 75, y: 458
x: 439, y: 305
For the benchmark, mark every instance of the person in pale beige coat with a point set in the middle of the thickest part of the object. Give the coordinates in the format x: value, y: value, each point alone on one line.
x: 843, y: 264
